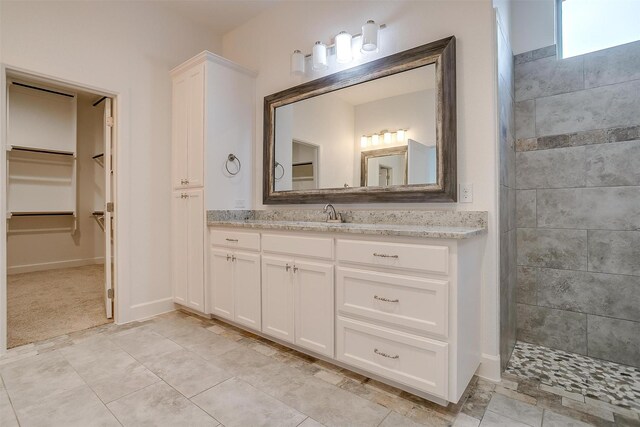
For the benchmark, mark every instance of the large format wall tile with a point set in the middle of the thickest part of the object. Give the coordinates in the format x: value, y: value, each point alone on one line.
x: 527, y: 285
x: 559, y: 168
x: 613, y: 339
x: 548, y: 76
x: 615, y: 252
x: 594, y: 293
x: 615, y: 65
x: 598, y: 108
x: 599, y: 208
x: 613, y: 164
x: 564, y: 330
x: 525, y: 119
x: 566, y: 249
x: 526, y: 208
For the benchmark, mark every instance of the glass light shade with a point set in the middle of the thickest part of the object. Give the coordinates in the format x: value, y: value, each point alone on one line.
x: 387, y: 137
x: 375, y: 139
x: 400, y: 135
x: 320, y: 56
x: 364, y: 141
x: 369, y: 37
x: 297, y: 63
x: 343, y: 48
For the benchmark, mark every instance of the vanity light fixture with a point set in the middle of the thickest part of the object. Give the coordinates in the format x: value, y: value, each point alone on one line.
x: 384, y: 136
x: 320, y: 56
x: 369, y: 37
x: 342, y: 48
x: 387, y: 137
x: 297, y: 63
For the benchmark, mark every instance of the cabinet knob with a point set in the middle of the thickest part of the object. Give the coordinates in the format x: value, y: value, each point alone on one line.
x: 287, y: 267
x: 228, y: 257
x: 295, y: 269
x: 233, y: 258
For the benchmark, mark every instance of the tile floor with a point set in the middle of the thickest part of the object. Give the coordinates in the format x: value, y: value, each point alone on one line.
x: 177, y: 369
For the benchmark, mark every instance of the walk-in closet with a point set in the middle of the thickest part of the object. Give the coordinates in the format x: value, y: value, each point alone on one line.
x: 59, y: 237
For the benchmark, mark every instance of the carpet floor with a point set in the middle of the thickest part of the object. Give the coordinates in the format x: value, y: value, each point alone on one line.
x: 46, y: 304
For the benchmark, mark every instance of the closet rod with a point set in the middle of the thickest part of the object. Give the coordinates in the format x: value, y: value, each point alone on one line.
x: 95, y: 104
x: 42, y: 214
x: 98, y: 156
x: 43, y: 90
x: 38, y: 150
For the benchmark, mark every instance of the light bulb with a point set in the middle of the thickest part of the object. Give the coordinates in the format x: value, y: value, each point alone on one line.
x: 369, y: 37
x: 375, y: 139
x: 387, y: 137
x: 364, y: 141
x: 297, y: 63
x: 343, y: 48
x: 400, y: 135
x: 320, y: 56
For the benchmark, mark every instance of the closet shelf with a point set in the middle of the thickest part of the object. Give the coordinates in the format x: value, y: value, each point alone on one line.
x: 99, y: 217
x: 43, y: 213
x: 99, y: 158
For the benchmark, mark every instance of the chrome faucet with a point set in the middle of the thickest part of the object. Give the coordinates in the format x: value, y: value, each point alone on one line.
x: 332, y: 216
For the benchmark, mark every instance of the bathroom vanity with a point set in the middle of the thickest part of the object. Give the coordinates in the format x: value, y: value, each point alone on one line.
x: 396, y: 302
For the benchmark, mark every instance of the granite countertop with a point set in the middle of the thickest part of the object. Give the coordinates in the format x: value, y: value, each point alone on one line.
x: 427, y: 231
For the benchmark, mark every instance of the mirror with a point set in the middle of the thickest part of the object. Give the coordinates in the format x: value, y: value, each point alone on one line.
x: 383, y: 131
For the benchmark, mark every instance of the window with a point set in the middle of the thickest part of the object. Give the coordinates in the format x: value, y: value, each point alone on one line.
x: 588, y: 25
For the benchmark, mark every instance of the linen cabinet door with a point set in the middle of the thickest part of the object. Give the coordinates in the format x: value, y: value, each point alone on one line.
x: 179, y: 246
x: 195, y: 154
x: 246, y: 282
x: 179, y: 131
x: 195, y: 265
x: 314, y: 306
x: 221, y: 273
x: 277, y: 297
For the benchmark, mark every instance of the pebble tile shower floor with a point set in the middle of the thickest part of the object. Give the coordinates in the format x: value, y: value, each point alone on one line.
x: 181, y: 370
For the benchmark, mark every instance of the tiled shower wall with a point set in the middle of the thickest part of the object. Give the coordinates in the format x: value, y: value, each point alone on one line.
x: 507, y: 197
x: 578, y: 201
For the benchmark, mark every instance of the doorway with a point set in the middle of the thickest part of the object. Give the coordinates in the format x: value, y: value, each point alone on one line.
x: 59, y: 193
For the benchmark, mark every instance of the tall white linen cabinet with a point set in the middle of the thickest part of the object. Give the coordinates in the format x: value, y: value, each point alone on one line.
x: 213, y: 124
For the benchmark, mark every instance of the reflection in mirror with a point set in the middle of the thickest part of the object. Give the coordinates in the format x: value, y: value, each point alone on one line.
x: 321, y: 142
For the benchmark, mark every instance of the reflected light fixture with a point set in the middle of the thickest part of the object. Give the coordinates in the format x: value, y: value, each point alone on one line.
x: 320, y: 56
x: 375, y: 139
x: 387, y: 137
x: 400, y: 135
x: 364, y: 141
x: 297, y: 63
x: 369, y: 37
x: 343, y: 48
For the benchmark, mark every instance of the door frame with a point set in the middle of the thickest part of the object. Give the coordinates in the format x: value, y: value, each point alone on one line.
x: 116, y: 99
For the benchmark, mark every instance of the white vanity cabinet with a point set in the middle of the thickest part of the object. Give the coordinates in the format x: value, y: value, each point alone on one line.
x: 298, y: 293
x: 234, y: 291
x: 402, y: 310
x: 187, y: 248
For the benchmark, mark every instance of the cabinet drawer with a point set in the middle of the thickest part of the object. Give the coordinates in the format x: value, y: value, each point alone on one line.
x: 235, y: 239
x: 411, y: 302
x: 408, y: 359
x: 434, y: 259
x: 317, y: 247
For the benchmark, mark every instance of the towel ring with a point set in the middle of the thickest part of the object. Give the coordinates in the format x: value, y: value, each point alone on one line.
x: 231, y: 158
x: 278, y: 178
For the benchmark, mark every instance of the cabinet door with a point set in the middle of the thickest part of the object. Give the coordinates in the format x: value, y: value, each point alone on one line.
x: 195, y: 231
x: 179, y: 245
x: 277, y: 297
x: 246, y: 283
x: 221, y: 272
x: 179, y: 131
x: 195, y: 153
x: 314, y: 306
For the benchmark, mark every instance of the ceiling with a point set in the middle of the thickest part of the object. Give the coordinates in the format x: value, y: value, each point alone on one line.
x: 221, y: 16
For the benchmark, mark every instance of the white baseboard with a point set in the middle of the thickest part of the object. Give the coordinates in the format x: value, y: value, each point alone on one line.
x: 28, y: 268
x: 149, y: 309
x: 489, y: 368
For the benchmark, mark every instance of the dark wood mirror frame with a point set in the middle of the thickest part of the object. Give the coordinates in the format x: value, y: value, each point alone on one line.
x: 442, y: 53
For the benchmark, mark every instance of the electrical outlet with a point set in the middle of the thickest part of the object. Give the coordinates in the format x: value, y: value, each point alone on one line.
x: 240, y: 204
x: 466, y: 193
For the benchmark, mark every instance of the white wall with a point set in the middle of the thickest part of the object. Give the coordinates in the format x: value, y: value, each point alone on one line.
x: 42, y: 251
x: 127, y: 48
x: 266, y: 42
x: 532, y: 24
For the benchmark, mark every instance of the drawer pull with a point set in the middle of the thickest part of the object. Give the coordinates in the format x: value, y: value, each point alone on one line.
x: 287, y: 267
x: 385, y: 299
x: 380, y: 353
x: 231, y: 240
x: 228, y: 257
x: 386, y: 256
